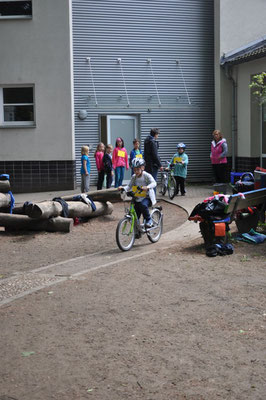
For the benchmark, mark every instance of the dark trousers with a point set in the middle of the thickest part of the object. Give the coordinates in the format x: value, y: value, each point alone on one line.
x: 220, y: 172
x: 180, y: 183
x: 142, y: 207
x: 109, y: 179
x: 100, y: 180
x: 153, y: 171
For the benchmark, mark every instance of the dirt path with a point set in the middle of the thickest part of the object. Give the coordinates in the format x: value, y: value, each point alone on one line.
x: 173, y: 324
x: 22, y: 252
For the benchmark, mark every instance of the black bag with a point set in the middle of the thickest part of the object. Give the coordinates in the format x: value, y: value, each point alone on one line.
x: 210, y: 209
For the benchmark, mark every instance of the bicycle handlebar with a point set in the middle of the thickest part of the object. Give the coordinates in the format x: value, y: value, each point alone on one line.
x: 131, y: 193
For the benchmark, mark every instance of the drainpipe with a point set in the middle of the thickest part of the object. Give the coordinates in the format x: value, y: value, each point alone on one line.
x: 228, y: 73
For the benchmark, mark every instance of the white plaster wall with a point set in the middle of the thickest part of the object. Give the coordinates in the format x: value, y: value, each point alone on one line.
x: 38, y: 52
x: 223, y: 87
x: 242, y: 21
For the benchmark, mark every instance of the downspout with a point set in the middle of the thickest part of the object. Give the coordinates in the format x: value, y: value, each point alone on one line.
x: 228, y: 73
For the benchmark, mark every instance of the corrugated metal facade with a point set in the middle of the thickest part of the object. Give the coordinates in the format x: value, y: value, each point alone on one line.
x: 159, y: 92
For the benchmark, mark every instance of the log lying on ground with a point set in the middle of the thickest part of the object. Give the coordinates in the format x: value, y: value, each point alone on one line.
x: 43, y: 210
x: 4, y: 200
x: 47, y: 209
x: 15, y: 210
x: 4, y: 186
x: 104, y: 195
x: 23, y: 222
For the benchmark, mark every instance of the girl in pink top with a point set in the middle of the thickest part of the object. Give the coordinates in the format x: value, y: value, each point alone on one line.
x: 99, y: 153
x: 218, y: 157
x: 120, y: 161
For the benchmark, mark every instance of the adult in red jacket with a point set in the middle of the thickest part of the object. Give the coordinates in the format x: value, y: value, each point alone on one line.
x: 218, y: 157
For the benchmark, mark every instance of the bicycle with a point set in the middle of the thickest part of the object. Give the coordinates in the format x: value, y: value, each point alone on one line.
x: 168, y: 182
x: 129, y: 227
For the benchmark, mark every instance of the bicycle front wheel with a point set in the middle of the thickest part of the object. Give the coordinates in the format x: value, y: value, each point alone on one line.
x: 155, y: 232
x: 171, y: 187
x: 125, y: 234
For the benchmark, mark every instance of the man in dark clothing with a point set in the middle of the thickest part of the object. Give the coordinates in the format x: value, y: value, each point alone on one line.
x: 153, y: 162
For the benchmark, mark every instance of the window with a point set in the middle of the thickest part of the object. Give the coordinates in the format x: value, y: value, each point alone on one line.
x: 15, y: 9
x: 16, y: 106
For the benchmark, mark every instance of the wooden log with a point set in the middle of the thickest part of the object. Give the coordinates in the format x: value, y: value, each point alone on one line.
x: 23, y: 222
x: 43, y: 210
x: 4, y: 200
x: 80, y: 209
x: 4, y: 186
x: 48, y: 209
x: 103, y: 195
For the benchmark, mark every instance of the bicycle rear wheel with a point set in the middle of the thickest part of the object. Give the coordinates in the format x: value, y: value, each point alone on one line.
x: 171, y: 187
x: 125, y: 234
x: 163, y: 185
x: 155, y: 232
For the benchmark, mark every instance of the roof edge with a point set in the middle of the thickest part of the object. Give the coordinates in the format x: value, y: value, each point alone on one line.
x: 245, y: 51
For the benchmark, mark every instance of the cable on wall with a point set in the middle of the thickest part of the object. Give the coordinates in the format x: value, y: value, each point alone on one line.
x: 178, y: 63
x: 92, y: 80
x: 154, y: 81
x: 119, y: 61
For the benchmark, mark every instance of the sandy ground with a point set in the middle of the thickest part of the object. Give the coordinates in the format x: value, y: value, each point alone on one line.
x: 24, y: 251
x: 173, y: 324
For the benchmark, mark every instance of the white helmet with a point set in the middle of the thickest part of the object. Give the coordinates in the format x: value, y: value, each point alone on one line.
x: 138, y: 162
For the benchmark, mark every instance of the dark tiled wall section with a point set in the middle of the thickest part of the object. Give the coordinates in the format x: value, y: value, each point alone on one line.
x: 242, y: 164
x: 247, y: 164
x: 39, y: 176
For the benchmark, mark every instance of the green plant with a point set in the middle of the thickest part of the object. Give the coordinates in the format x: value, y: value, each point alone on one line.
x: 258, y: 84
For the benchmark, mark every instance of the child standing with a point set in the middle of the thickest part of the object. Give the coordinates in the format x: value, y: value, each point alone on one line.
x: 99, y: 153
x: 180, y: 161
x: 108, y: 167
x: 85, y: 169
x: 135, y: 153
x: 120, y: 161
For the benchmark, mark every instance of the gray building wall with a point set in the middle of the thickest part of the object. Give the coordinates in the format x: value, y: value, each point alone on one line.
x: 240, y: 23
x: 164, y: 31
x: 38, y: 51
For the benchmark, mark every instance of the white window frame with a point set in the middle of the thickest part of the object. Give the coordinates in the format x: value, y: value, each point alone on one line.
x: 3, y: 123
x: 16, y: 16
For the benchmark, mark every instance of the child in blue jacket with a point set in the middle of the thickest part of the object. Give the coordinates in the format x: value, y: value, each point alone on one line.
x: 135, y: 153
x: 180, y: 161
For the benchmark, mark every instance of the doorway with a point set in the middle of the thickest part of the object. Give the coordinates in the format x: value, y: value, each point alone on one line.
x: 126, y: 127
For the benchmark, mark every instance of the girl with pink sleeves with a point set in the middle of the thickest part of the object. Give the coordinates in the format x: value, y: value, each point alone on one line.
x: 98, y: 155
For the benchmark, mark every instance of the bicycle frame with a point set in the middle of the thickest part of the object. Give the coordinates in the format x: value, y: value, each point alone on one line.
x: 135, y: 221
x: 129, y: 227
x: 132, y: 213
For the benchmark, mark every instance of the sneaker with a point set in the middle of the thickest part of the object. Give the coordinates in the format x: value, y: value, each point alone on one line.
x: 183, y: 194
x: 149, y: 223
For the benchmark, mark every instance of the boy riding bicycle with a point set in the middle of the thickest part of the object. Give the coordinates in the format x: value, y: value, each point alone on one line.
x: 146, y: 196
